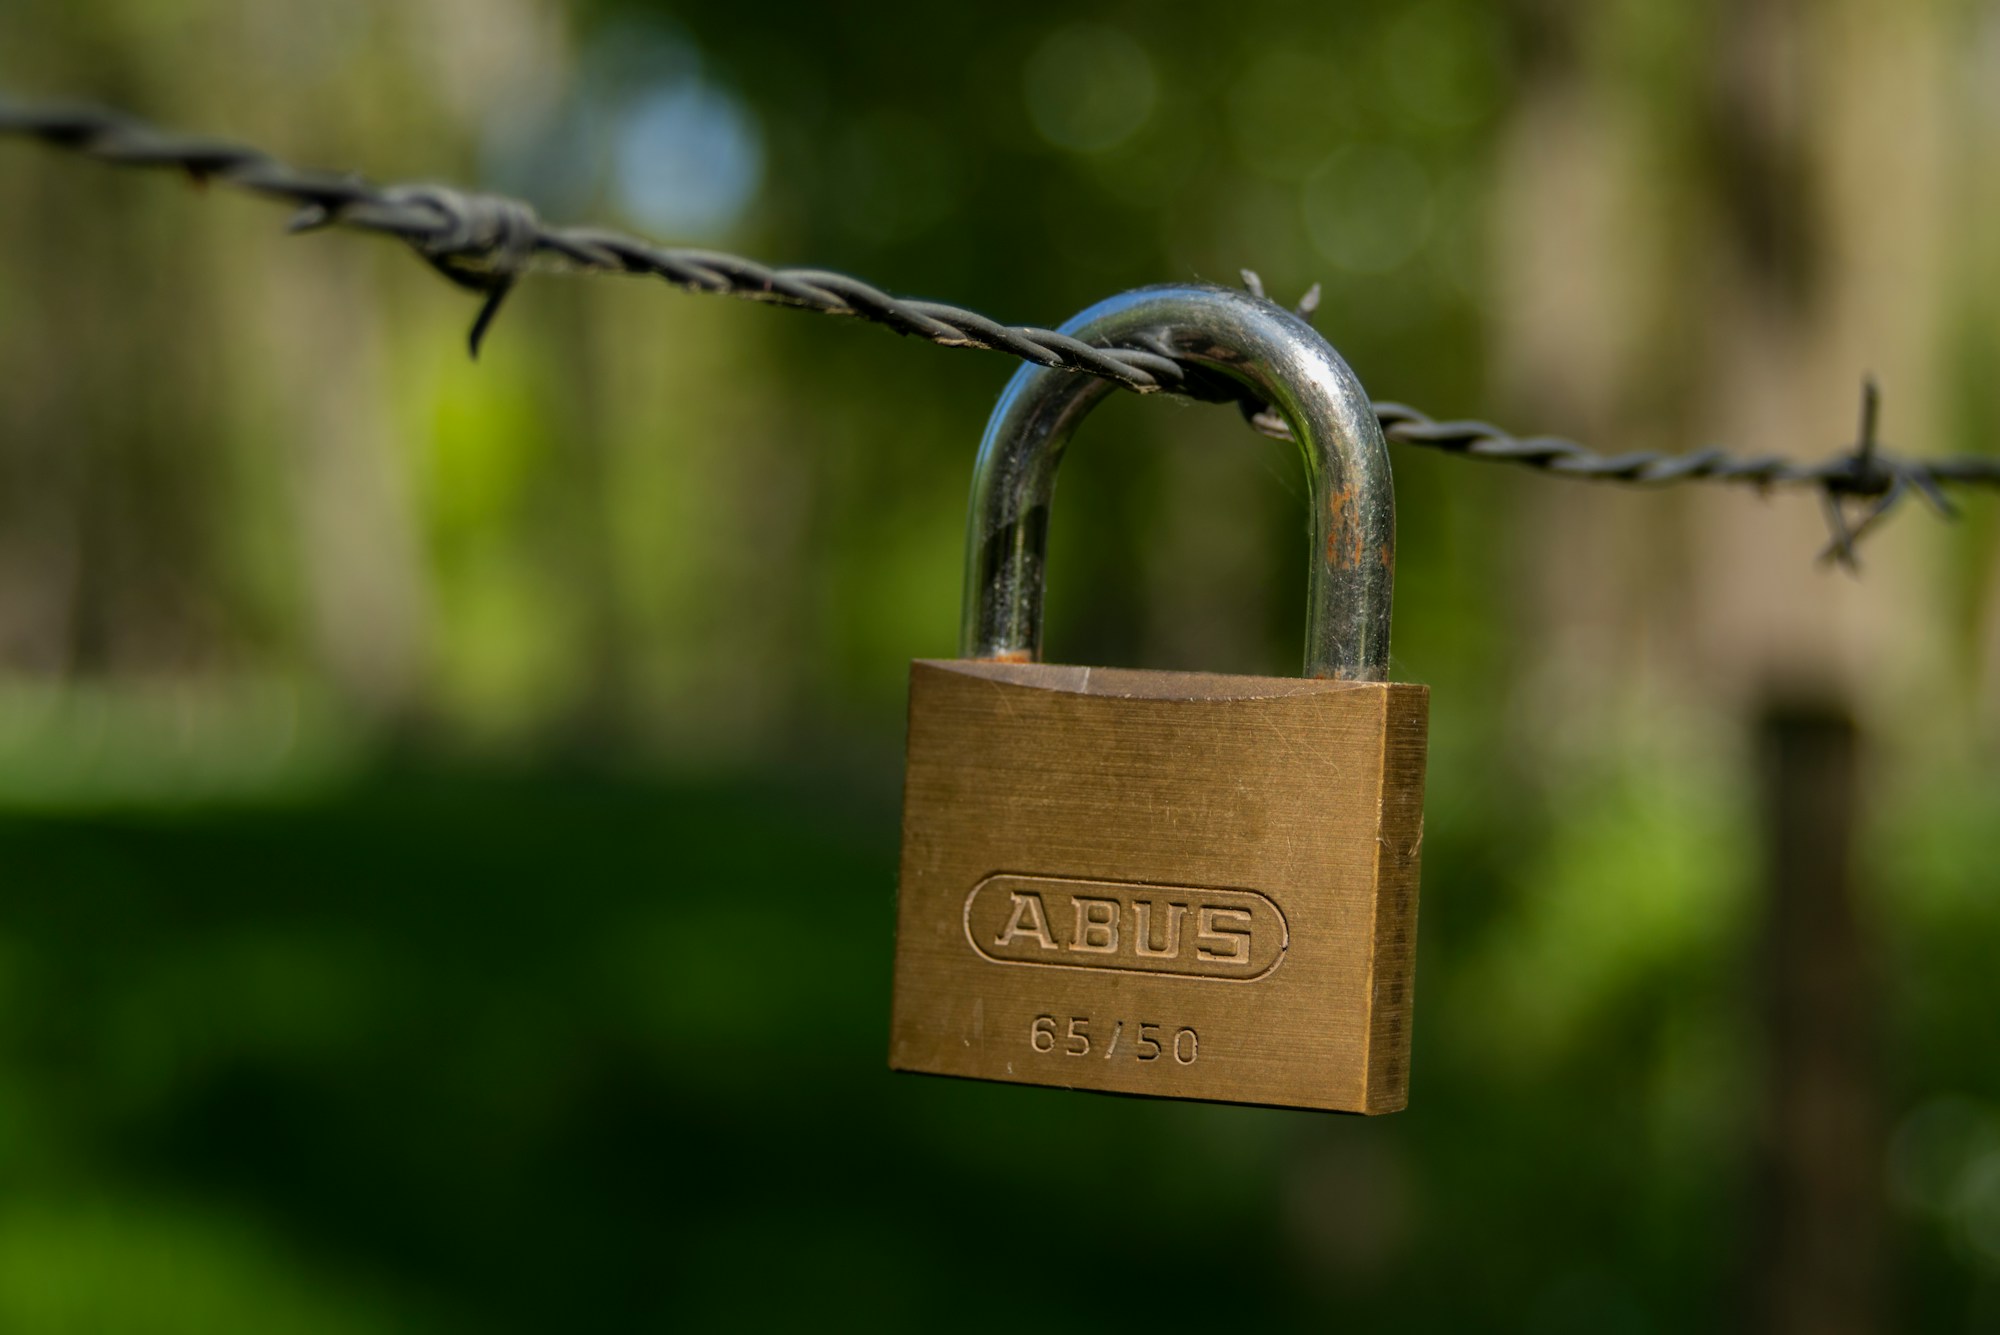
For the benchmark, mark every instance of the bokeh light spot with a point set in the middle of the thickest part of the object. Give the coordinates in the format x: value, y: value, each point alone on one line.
x: 1979, y: 1207
x: 688, y: 160
x: 1933, y: 1148
x: 1368, y: 208
x: 1089, y: 87
x: 1446, y: 62
x: 1286, y: 112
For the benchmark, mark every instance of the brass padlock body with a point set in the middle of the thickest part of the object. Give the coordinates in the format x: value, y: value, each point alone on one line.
x: 1177, y: 884
x: 1180, y: 884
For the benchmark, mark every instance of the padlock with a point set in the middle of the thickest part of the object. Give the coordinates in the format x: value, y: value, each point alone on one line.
x: 1167, y: 883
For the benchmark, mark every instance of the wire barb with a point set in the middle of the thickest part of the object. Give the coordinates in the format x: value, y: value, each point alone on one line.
x: 487, y: 243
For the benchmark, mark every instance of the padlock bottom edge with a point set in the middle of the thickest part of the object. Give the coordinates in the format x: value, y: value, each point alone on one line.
x: 1273, y: 1105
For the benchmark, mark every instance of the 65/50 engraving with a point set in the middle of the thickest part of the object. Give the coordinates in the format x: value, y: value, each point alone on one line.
x: 1147, y: 1046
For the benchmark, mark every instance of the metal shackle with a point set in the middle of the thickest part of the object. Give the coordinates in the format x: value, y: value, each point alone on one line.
x: 1292, y: 368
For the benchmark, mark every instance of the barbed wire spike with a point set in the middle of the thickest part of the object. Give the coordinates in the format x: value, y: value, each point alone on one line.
x: 482, y: 323
x: 487, y: 243
x: 1883, y: 481
x: 1307, y: 307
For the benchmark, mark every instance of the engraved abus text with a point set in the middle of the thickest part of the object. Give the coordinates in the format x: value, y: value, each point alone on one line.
x: 1180, y: 930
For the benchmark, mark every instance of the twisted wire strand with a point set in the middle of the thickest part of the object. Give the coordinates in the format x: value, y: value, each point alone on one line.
x: 487, y: 242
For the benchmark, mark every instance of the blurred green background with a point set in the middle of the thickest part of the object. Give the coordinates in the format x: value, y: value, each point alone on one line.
x: 397, y: 753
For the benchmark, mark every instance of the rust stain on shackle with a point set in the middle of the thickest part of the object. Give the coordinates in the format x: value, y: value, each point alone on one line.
x: 1343, y: 530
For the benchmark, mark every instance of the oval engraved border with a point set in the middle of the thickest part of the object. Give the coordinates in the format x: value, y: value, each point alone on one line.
x: 1156, y: 887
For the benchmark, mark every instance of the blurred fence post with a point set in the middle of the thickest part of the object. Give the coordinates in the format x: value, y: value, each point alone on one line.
x: 1817, y: 1242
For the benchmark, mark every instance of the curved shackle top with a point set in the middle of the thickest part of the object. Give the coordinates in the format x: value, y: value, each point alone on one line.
x: 1294, y: 369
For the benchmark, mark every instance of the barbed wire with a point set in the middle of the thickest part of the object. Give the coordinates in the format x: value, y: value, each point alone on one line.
x: 486, y: 243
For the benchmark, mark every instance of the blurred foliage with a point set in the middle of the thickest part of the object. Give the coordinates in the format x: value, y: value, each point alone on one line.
x: 398, y: 756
